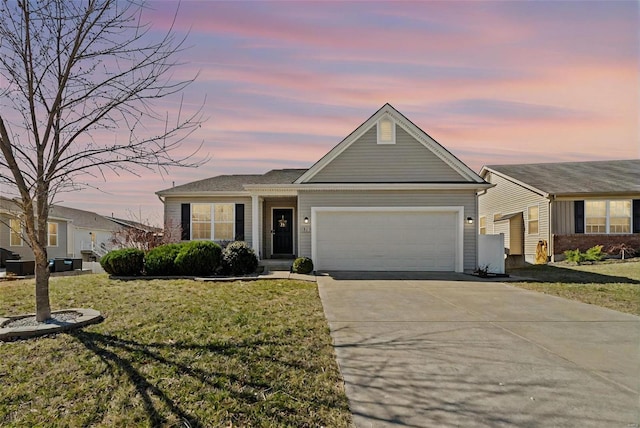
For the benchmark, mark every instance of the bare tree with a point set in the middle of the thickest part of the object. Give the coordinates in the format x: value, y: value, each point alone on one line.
x: 70, y: 72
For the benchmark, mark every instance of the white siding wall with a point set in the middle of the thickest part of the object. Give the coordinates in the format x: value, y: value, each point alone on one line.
x: 365, y: 161
x: 173, y: 205
x: 507, y: 198
x: 465, y: 198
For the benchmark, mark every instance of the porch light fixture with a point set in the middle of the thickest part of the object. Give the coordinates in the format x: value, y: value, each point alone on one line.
x: 470, y: 220
x: 306, y: 220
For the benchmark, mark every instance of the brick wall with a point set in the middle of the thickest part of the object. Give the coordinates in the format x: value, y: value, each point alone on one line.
x: 583, y: 242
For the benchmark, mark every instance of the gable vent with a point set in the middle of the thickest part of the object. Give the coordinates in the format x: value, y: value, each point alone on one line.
x: 386, y: 131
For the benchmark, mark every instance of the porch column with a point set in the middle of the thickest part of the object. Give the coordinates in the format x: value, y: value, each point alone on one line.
x: 255, y: 224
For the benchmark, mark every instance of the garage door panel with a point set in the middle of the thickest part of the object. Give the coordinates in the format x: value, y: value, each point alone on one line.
x: 395, y: 240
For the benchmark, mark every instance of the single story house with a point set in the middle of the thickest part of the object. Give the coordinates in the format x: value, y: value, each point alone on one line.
x: 12, y: 237
x: 561, y: 206
x: 386, y: 198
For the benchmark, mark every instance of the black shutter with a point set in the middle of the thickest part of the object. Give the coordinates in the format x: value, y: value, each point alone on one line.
x: 185, y: 221
x: 636, y: 215
x: 240, y: 222
x: 578, y: 209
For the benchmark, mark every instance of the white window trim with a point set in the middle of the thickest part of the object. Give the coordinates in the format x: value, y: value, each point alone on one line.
x: 19, y: 233
x: 212, y: 222
x: 57, y: 234
x: 538, y: 220
x: 393, y: 130
x: 607, y: 227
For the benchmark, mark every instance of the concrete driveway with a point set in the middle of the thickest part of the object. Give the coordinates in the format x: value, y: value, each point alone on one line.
x: 445, y: 350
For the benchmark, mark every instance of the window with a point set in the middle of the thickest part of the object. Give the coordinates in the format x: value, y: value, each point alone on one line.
x: 15, y: 235
x: 607, y: 216
x: 212, y: 222
x: 483, y: 226
x: 497, y: 216
x: 533, y: 214
x: 386, y: 131
x: 224, y: 222
x: 52, y: 233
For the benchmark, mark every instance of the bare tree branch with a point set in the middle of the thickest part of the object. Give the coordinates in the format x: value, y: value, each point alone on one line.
x: 73, y: 71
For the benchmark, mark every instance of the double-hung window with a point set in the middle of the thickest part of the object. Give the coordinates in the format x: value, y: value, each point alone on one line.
x: 15, y: 233
x: 607, y: 216
x: 483, y: 226
x: 215, y: 222
x: 52, y: 234
x: 533, y: 219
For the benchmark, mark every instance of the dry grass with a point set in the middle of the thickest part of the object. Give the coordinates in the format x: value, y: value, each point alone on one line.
x: 175, y: 353
x: 611, y: 285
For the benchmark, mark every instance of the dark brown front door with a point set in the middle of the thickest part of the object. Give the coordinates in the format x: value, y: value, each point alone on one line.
x: 282, y: 231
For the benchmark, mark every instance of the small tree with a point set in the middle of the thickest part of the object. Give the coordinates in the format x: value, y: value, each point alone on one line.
x: 71, y: 71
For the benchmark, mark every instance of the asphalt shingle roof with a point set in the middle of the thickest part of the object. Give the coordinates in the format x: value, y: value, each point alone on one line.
x: 234, y: 183
x: 618, y: 176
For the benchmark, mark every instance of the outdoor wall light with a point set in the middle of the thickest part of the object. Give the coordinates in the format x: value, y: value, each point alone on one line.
x: 306, y: 220
x: 470, y: 220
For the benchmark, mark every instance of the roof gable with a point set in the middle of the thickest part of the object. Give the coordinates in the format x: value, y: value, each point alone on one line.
x: 415, y: 158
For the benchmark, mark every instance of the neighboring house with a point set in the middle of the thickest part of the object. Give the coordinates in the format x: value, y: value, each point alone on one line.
x: 568, y: 205
x: 90, y: 235
x: 12, y: 238
x: 72, y: 232
x: 387, y: 198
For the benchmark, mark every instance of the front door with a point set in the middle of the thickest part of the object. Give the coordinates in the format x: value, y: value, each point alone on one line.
x: 282, y: 231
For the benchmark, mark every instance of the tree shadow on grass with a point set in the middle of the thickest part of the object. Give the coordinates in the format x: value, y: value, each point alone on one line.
x: 549, y: 273
x: 125, y: 355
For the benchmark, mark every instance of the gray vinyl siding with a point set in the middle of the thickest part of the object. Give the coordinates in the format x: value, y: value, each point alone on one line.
x: 172, y: 212
x: 24, y: 250
x: 508, y: 198
x: 407, y: 160
x: 464, y: 198
x: 563, y: 217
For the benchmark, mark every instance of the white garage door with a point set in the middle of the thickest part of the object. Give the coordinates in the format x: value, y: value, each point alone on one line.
x: 413, y: 239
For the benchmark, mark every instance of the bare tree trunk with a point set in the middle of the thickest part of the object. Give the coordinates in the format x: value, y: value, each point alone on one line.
x: 43, y: 307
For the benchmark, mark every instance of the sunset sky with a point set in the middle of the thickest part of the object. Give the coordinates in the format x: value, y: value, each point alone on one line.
x: 493, y: 82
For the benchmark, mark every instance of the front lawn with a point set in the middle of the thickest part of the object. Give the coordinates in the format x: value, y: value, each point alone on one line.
x: 611, y: 285
x: 174, y: 353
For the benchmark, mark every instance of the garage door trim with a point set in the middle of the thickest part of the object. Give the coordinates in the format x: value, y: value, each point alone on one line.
x: 458, y: 210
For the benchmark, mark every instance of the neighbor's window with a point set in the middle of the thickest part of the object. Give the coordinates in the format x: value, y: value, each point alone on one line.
x: 386, y: 131
x: 483, y: 225
x: 533, y: 215
x: 15, y: 234
x: 607, y: 216
x: 212, y: 221
x: 52, y: 233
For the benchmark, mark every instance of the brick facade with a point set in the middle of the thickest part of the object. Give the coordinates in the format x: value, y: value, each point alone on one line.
x: 583, y: 242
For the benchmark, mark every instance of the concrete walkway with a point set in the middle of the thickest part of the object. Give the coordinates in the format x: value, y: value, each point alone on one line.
x: 431, y: 351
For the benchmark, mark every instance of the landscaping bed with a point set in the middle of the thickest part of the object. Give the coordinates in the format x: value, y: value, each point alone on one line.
x: 175, y: 353
x: 612, y: 284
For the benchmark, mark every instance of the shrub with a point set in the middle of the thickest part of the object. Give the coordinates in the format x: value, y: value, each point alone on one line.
x: 239, y: 259
x: 124, y: 262
x: 198, y: 258
x: 593, y: 254
x: 302, y: 265
x: 161, y: 260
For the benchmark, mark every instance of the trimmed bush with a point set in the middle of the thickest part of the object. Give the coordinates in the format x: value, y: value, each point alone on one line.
x: 124, y: 262
x: 161, y: 260
x: 198, y: 258
x: 302, y: 265
x: 593, y: 254
x: 239, y: 259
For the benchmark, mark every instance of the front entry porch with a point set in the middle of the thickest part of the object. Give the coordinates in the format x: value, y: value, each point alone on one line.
x: 274, y: 233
